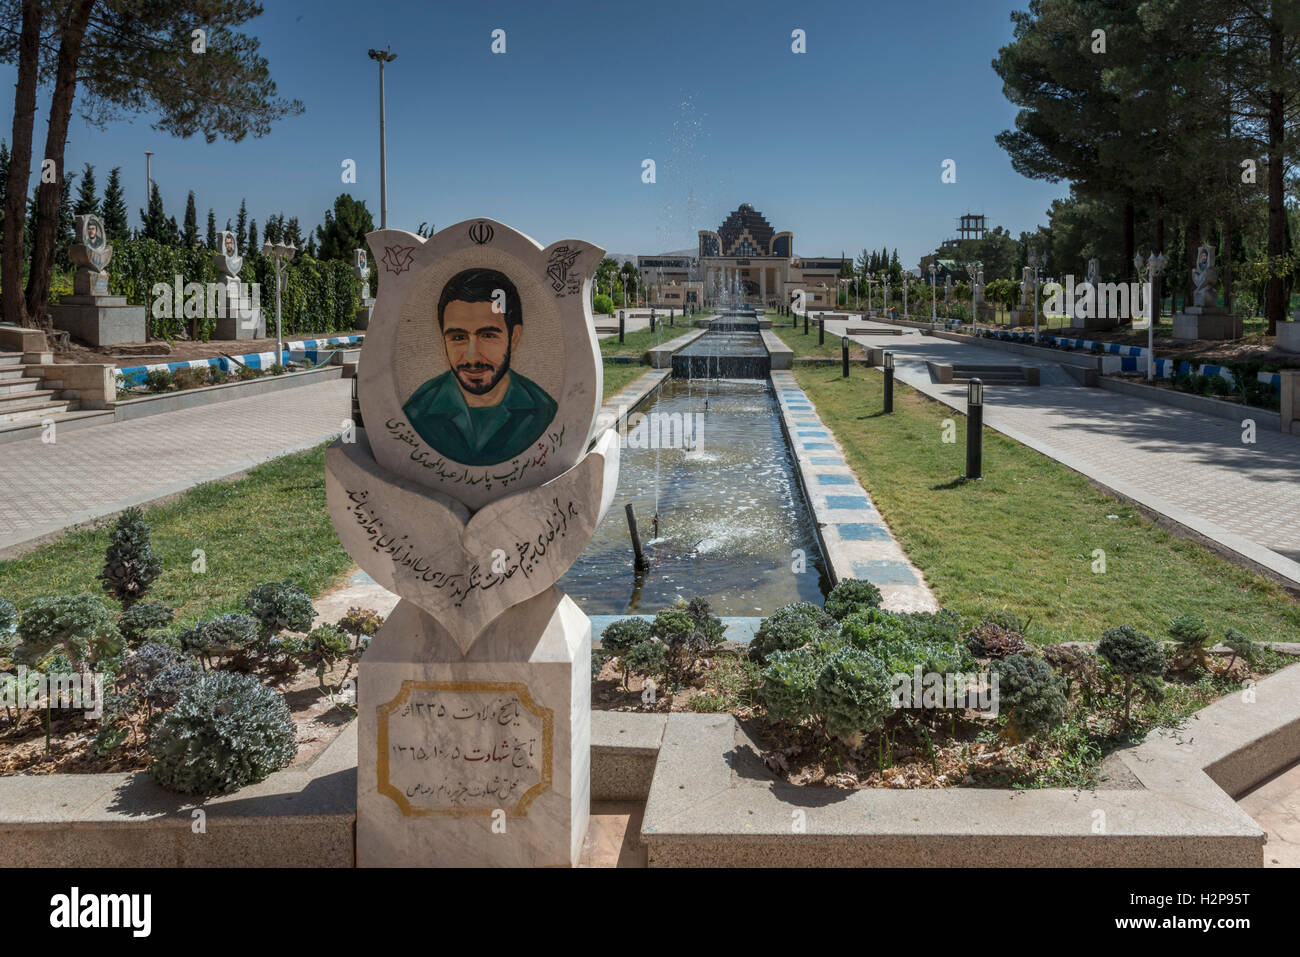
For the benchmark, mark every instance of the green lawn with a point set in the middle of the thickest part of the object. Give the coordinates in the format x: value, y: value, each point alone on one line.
x: 1024, y: 537
x: 619, y: 374
x: 807, y: 345
x: 637, y: 343
x: 270, y: 525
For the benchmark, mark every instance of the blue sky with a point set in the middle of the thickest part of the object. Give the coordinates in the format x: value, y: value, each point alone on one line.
x: 550, y: 136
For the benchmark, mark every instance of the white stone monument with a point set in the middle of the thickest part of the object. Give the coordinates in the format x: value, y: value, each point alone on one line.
x: 90, y: 313
x: 361, y: 269
x: 1099, y: 319
x: 240, y: 315
x: 479, y: 478
x: 1023, y: 313
x: 1205, y: 318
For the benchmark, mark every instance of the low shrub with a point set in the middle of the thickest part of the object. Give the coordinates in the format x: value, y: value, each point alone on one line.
x: 645, y: 658
x: 689, y: 631
x: 1192, y: 635
x: 280, y: 606
x: 602, y: 304
x: 322, y: 649
x: 851, y: 595
x: 142, y: 620
x: 1242, y: 645
x: 130, y: 565
x: 993, y: 641
x: 221, y: 637
x: 789, y: 627
x: 80, y: 626
x: 621, y: 636
x: 1030, y: 694
x: 790, y: 684
x: 852, y: 694
x: 158, y: 380
x: 224, y: 732
x: 1137, y: 659
x: 1074, y: 666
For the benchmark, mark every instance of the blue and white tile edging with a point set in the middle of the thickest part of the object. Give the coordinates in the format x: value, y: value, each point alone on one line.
x: 304, y: 350
x: 855, y: 540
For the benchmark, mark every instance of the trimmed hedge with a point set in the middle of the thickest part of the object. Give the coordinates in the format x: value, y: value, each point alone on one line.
x: 320, y: 296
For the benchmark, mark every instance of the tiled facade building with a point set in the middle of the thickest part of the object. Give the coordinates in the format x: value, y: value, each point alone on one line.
x: 744, y: 257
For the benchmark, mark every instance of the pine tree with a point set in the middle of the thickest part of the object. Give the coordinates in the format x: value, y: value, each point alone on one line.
x: 114, y: 206
x: 87, y: 203
x: 293, y: 233
x: 190, y: 237
x: 241, y: 228
x: 252, y: 237
x: 212, y: 230
x: 345, y: 228
x: 153, y: 224
x: 130, y: 565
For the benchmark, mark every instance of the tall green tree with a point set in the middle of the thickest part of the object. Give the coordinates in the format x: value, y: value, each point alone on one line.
x: 190, y: 234
x: 253, y: 245
x: 345, y: 228
x: 154, y: 223
x: 114, y: 206
x: 241, y: 228
x: 87, y: 201
x: 210, y: 237
x: 128, y: 56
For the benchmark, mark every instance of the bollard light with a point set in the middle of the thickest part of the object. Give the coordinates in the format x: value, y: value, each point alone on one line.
x: 974, y: 430
x: 889, y: 382
x: 844, y: 356
x: 821, y: 328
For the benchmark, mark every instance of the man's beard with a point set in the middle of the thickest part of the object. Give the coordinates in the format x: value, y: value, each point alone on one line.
x: 491, y: 384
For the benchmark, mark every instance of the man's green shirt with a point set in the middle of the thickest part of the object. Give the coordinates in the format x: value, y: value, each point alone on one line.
x: 479, y: 436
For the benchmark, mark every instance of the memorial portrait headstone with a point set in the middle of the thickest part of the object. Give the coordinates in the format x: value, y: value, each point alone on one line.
x: 240, y: 316
x: 91, y: 314
x: 1100, y: 317
x: 361, y: 269
x: 1205, y: 318
x: 479, y: 477
x: 1020, y: 315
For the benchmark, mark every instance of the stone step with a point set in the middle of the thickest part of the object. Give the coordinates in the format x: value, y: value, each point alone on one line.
x: 23, y: 386
x: 11, y: 358
x: 8, y: 400
x: 10, y: 372
x: 17, y: 412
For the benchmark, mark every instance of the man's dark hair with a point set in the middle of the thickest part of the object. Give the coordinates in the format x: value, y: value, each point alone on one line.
x: 478, y: 285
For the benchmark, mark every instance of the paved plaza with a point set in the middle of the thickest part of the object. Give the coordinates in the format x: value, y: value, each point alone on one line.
x: 1192, y: 468
x: 101, y: 469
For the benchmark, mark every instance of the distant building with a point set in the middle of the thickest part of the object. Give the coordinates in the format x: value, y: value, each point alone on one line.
x: 747, y: 255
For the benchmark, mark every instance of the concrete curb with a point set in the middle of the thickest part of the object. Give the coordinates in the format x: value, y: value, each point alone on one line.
x: 713, y: 803
x: 129, y: 409
x: 854, y: 539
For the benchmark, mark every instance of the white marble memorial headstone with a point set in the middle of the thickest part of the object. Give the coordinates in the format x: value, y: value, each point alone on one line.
x: 479, y: 478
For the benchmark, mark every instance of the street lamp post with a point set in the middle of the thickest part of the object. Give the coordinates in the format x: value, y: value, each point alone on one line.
x: 1155, y: 265
x: 148, y: 177
x: 869, y: 279
x: 382, y: 57
x: 279, y: 253
x: 1037, y: 261
x: 906, y: 277
x: 889, y: 383
x: 974, y: 429
x: 974, y: 270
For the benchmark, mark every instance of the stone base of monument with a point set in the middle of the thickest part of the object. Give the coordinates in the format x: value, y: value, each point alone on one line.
x: 1288, y: 336
x: 100, y: 320
x: 363, y: 314
x: 482, y: 759
x: 1207, y: 322
x: 89, y: 282
x: 236, y: 327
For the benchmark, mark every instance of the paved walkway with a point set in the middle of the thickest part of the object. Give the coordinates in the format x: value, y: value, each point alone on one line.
x: 1192, y: 468
x: 101, y: 469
